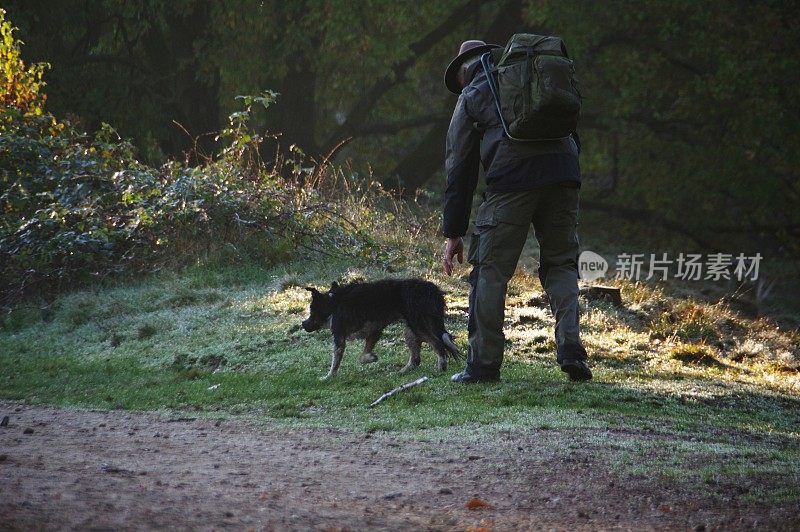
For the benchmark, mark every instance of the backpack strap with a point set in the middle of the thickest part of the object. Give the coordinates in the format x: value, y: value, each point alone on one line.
x: 487, y: 67
x: 564, y: 48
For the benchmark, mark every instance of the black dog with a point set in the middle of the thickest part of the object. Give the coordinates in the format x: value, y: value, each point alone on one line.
x: 364, y: 310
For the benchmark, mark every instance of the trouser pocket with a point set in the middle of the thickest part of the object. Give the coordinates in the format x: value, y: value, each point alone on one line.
x: 480, y: 246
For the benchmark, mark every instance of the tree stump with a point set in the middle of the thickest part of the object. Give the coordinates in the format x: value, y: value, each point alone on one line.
x: 612, y: 294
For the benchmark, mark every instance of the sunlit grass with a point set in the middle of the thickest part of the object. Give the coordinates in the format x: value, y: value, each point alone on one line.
x: 228, y: 342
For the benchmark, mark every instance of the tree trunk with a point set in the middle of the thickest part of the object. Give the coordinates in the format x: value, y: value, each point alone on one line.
x: 192, y: 104
x: 297, y: 117
x: 424, y: 160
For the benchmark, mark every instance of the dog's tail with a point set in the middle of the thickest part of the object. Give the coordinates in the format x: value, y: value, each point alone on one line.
x: 450, y: 346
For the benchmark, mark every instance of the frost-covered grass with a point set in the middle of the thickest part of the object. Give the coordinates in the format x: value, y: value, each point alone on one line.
x: 679, y: 385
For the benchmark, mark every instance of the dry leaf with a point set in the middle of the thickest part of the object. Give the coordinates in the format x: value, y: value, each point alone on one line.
x: 475, y: 504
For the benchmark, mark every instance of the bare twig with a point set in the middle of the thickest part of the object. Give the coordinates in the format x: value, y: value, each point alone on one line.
x: 399, y: 389
x: 195, y: 150
x: 241, y: 221
x: 321, y: 167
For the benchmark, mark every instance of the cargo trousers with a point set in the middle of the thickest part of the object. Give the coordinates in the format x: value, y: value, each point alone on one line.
x: 501, y: 229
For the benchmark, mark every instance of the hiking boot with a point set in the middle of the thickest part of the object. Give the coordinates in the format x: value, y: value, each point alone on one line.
x: 467, y: 378
x: 576, y: 369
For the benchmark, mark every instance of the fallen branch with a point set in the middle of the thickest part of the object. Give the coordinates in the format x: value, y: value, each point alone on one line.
x: 399, y: 389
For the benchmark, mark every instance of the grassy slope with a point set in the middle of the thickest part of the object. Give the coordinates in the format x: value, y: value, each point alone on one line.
x: 703, y: 394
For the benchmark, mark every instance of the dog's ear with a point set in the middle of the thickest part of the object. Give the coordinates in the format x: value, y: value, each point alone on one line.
x: 311, y: 289
x: 334, y: 285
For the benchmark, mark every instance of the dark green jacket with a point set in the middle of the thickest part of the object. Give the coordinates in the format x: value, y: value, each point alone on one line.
x: 476, y: 136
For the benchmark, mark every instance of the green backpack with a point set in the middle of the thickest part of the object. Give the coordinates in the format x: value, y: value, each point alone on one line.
x: 534, y: 91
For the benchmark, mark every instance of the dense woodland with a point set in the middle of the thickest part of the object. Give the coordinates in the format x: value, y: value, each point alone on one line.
x: 689, y: 122
x: 690, y: 115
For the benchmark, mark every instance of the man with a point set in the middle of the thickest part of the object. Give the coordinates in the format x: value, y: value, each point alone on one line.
x: 527, y: 183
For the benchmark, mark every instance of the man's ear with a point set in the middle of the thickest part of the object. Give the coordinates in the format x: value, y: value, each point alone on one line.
x: 334, y: 285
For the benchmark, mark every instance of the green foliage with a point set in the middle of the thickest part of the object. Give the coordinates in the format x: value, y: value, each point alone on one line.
x: 141, y: 65
x: 238, y: 135
x: 690, y: 108
x: 691, y: 111
x: 76, y: 208
x: 20, y: 85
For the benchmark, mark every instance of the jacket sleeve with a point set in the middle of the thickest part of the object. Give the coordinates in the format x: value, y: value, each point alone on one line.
x: 461, y: 165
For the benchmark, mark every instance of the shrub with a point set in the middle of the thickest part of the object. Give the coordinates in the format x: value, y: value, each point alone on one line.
x: 77, y: 208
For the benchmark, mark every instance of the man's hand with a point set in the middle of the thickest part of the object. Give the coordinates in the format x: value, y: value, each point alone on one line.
x: 453, y: 247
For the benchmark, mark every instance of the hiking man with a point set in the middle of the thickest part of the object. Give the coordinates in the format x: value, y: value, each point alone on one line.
x: 527, y: 183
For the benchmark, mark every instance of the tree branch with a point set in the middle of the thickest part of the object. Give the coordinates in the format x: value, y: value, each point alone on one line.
x: 639, y: 44
x: 645, y: 215
x: 361, y: 109
x: 426, y: 158
x: 389, y: 128
x: 109, y: 59
x: 399, y: 389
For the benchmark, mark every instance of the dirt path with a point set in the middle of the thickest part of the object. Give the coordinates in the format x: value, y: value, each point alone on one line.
x: 77, y: 469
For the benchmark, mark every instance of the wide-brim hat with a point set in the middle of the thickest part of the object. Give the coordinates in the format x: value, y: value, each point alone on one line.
x: 468, y: 50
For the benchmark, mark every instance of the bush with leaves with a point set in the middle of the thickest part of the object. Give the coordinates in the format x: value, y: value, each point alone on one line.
x: 20, y: 85
x: 76, y: 208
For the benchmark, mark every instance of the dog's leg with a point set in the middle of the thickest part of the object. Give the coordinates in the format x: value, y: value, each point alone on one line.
x: 439, y: 347
x: 414, y: 346
x: 369, y: 344
x: 441, y: 354
x: 441, y: 342
x: 338, y: 352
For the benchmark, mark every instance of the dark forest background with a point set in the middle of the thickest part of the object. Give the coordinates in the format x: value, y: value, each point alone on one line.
x: 689, y: 124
